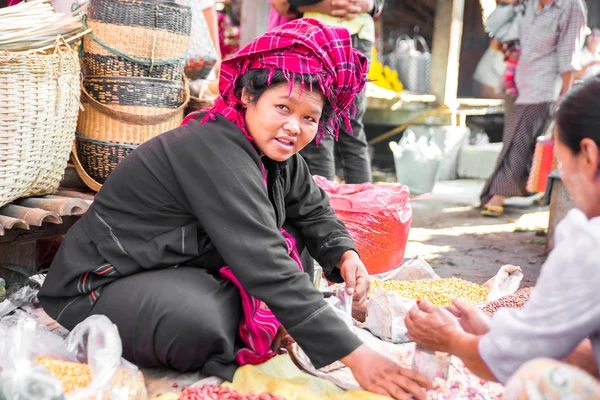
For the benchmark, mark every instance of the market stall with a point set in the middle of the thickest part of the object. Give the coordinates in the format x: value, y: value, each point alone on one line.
x: 133, y: 88
x: 370, y: 211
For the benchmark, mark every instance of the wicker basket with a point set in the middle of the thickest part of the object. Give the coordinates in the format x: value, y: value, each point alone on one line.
x: 40, y: 102
x: 112, y: 65
x: 99, y: 158
x: 126, y: 124
x: 165, y: 15
x: 155, y: 47
x: 145, y: 92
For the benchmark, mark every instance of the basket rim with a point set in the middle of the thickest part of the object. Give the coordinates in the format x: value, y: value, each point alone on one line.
x: 105, y: 142
x: 179, y: 82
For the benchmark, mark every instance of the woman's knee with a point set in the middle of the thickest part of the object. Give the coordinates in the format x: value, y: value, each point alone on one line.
x: 189, y: 336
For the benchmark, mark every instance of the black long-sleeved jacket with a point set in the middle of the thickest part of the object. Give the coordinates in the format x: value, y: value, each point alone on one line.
x: 195, y: 196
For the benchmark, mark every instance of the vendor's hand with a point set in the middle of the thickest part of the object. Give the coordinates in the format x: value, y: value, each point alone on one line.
x: 345, y: 9
x: 431, y: 327
x: 378, y: 374
x: 282, y: 340
x: 348, y: 9
x: 355, y: 275
x: 471, y: 319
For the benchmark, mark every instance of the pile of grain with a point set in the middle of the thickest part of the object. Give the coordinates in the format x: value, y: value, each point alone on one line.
x: 439, y: 292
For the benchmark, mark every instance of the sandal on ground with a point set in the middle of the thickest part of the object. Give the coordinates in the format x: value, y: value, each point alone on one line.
x: 492, y: 211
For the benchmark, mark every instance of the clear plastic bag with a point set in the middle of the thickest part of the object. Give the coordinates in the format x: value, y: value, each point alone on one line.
x: 417, y: 161
x: 378, y: 218
x: 386, y: 310
x: 94, y: 341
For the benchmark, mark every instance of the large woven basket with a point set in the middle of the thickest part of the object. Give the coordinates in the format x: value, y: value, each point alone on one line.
x: 156, y: 14
x: 113, y: 65
x: 99, y: 158
x: 39, y: 97
x: 144, y: 92
x: 111, y: 126
x: 123, y: 122
x: 135, y: 47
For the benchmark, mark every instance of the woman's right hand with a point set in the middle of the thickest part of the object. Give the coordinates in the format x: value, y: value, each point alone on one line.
x: 378, y: 374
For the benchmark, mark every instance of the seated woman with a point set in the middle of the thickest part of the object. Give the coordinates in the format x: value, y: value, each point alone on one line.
x: 186, y: 247
x: 546, y: 346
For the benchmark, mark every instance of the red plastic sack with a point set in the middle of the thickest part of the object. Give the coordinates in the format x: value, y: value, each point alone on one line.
x: 378, y: 218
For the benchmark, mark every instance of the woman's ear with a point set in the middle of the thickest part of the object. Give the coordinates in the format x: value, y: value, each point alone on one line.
x: 246, y: 97
x: 591, y: 156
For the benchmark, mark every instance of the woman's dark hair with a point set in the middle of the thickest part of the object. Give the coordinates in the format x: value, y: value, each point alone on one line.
x: 256, y: 82
x: 578, y: 116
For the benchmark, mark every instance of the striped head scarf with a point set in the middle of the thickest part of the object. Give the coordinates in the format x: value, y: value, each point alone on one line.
x: 302, y: 46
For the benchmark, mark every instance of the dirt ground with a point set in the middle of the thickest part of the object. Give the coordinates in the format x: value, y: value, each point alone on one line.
x: 456, y: 240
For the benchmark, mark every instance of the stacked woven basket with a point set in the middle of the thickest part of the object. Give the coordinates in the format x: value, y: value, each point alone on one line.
x: 133, y: 87
x: 39, y: 98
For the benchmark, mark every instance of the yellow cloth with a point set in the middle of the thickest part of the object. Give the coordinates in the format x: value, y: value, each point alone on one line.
x: 280, y: 376
x: 363, y: 25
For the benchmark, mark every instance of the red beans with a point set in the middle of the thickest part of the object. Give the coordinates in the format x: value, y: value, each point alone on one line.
x: 211, y: 392
x: 516, y: 300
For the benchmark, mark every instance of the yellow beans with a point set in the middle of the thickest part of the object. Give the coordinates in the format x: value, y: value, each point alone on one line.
x: 70, y: 374
x: 439, y: 292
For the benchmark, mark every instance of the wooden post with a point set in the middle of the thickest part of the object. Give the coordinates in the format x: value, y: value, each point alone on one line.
x: 255, y: 19
x: 447, y: 36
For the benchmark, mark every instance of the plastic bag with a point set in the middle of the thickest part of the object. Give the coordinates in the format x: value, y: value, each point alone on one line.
x: 25, y: 295
x: 378, y: 218
x: 94, y: 341
x: 386, y: 310
x: 414, y: 269
x: 417, y: 162
x: 505, y: 282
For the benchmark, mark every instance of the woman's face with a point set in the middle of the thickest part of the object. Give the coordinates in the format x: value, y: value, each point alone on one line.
x: 580, y: 174
x: 283, y: 123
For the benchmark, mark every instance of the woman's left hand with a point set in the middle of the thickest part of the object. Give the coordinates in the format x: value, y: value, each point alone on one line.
x: 355, y: 275
x: 432, y: 327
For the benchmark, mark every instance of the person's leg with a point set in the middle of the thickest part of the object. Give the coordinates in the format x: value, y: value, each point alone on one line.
x: 509, y: 178
x: 319, y: 158
x: 352, y: 146
x: 180, y: 318
x: 551, y: 380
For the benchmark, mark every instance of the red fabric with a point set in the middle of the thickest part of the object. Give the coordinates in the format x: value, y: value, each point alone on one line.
x: 303, y: 46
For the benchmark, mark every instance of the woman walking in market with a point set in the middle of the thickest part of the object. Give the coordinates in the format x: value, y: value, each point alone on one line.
x: 552, y: 34
x: 192, y: 245
x: 550, y: 349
